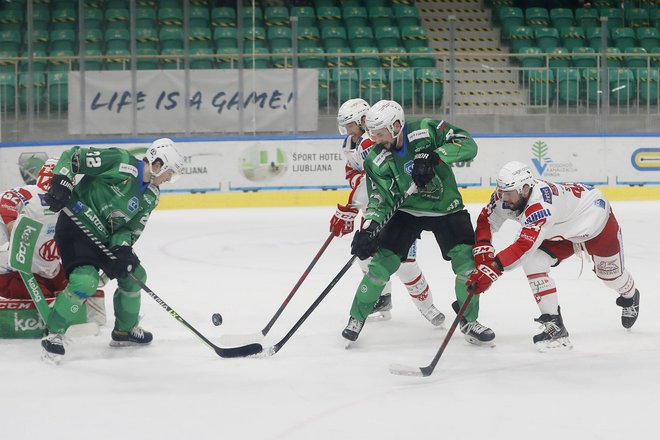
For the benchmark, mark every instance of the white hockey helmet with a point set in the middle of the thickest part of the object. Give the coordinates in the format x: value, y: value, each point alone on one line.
x: 384, y: 114
x: 351, y: 111
x: 165, y: 150
x: 514, y: 176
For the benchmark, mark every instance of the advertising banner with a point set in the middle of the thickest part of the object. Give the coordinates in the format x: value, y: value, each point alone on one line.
x: 214, y: 101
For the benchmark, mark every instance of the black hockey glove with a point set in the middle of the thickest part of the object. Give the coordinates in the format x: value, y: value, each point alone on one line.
x: 125, y: 263
x: 424, y: 167
x: 59, y: 193
x: 365, y: 243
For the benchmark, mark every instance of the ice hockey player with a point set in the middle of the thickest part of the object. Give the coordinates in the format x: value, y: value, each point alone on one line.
x: 557, y: 221
x: 28, y: 200
x: 357, y: 144
x: 404, y: 153
x: 114, y: 199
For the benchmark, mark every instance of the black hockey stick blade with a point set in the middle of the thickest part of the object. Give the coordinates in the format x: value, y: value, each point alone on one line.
x: 244, y: 351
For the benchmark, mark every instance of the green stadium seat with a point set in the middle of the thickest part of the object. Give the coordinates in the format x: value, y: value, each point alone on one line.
x: 199, y: 62
x: 253, y: 16
x: 146, y: 38
x: 146, y: 17
x: 367, y: 57
x: 172, y: 58
x: 344, y: 83
x: 648, y: 37
x: 62, y: 39
x: 170, y: 17
x: 429, y: 87
x: 622, y: 87
x: 546, y: 37
x: 355, y: 16
x: 373, y: 84
x: 654, y: 17
x: 333, y: 36
x: 93, y: 18
x: 387, y: 36
x: 7, y: 91
x: 61, y: 62
x: 614, y: 58
x: 199, y: 38
x: 11, y: 16
x: 594, y: 36
x: 39, y: 62
x: 324, y: 87
x: 279, y: 37
x: 360, y: 36
x: 119, y: 4
x: 225, y: 37
x: 328, y: 16
x: 636, y: 62
x: 568, y: 86
x: 537, y: 17
x: 282, y: 58
x: 118, y: 59
x: 226, y: 58
x: 116, y: 18
x: 521, y: 36
x: 255, y: 35
x: 323, y: 3
x: 587, y: 17
x: 276, y: 16
x: 510, y: 18
x: 655, y: 57
x: 38, y: 88
x: 584, y: 57
x: 94, y: 37
x: 542, y: 87
x: 561, y: 17
x: 399, y: 57
x: 603, y: 3
x: 413, y: 37
x: 58, y: 91
x: 380, y: 16
x: 199, y: 17
x: 256, y: 59
x: 171, y: 37
x: 147, y: 63
x: 7, y: 65
x: 41, y: 16
x: 406, y: 15
x: 340, y: 57
x: 648, y: 86
x: 636, y: 17
x: 402, y: 84
x: 63, y: 14
x: 306, y: 16
x: 623, y: 37
x: 40, y: 39
x: 308, y: 37
x: 223, y: 16
x: 614, y: 17
x: 590, y: 86
x: 426, y: 60
x: 312, y: 58
x: 117, y: 39
x: 93, y: 63
x: 10, y: 40
x: 382, y: 3
x: 571, y: 37
x: 531, y: 60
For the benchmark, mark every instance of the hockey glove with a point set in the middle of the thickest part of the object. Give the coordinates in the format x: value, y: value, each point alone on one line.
x: 125, y: 263
x: 483, y: 276
x: 365, y: 243
x: 424, y: 167
x: 342, y: 222
x: 59, y: 193
x: 483, y: 253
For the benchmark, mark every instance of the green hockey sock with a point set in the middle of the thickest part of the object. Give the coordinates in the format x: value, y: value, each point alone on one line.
x: 382, y: 266
x: 127, y: 300
x: 66, y: 310
x: 462, y: 264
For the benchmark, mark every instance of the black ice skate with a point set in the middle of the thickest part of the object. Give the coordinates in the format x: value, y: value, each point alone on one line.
x: 474, y: 332
x: 630, y: 309
x: 434, y: 316
x: 381, y: 310
x: 554, y: 334
x: 53, y: 348
x: 137, y: 336
x: 353, y: 329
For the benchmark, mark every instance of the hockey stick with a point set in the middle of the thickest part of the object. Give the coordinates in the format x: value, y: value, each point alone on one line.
x: 258, y: 337
x: 405, y: 370
x: 243, y: 351
x: 277, y: 347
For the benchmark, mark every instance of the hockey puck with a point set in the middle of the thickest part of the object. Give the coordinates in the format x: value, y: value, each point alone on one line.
x: 217, y: 319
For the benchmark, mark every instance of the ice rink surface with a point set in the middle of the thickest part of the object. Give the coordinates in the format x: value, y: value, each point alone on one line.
x: 243, y: 262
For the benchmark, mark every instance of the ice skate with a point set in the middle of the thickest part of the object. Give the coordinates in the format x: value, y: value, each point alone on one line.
x: 554, y: 334
x: 352, y: 330
x: 52, y: 348
x: 630, y: 309
x: 382, y: 309
x: 137, y: 336
x: 474, y: 332
x: 434, y: 316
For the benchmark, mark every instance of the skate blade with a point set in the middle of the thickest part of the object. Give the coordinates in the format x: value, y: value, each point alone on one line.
x: 385, y: 315
x: 474, y: 341
x: 114, y: 343
x: 51, y: 358
x: 545, y: 346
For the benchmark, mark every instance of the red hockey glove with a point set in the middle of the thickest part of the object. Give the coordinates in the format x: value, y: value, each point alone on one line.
x: 483, y: 252
x: 483, y: 276
x: 342, y: 222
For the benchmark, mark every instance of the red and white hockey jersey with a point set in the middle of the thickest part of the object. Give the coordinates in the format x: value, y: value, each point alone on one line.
x: 28, y: 200
x: 355, y: 152
x: 570, y: 211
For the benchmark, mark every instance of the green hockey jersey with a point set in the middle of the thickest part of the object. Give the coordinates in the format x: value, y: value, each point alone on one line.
x: 389, y: 172
x: 110, y: 198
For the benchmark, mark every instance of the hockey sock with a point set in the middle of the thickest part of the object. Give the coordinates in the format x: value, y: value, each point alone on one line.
x: 418, y: 289
x: 545, y: 293
x: 126, y: 301
x: 462, y: 263
x: 383, y: 265
x: 83, y: 282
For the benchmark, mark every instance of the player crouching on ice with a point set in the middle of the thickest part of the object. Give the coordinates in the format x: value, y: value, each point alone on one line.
x: 557, y: 221
x: 113, y: 199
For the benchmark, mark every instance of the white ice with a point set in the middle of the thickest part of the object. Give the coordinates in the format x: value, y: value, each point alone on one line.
x: 243, y: 262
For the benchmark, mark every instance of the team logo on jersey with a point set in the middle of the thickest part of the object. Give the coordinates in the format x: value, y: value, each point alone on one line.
x: 600, y: 203
x: 49, y: 251
x: 535, y: 213
x: 133, y: 204
x: 78, y: 207
x: 547, y: 194
x: 418, y: 134
x: 408, y: 167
